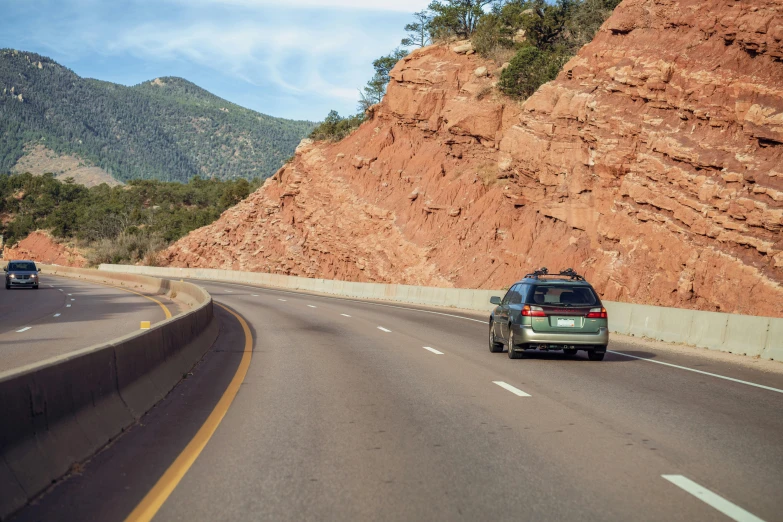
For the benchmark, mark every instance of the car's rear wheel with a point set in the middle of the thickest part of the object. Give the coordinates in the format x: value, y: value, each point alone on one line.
x: 596, y: 356
x: 511, y: 353
x: 494, y: 346
x: 570, y: 351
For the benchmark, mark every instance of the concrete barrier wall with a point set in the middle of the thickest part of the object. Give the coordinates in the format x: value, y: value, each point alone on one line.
x: 742, y: 334
x: 61, y: 411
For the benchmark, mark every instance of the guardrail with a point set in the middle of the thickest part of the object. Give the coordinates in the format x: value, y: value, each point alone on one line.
x: 741, y: 334
x: 62, y: 410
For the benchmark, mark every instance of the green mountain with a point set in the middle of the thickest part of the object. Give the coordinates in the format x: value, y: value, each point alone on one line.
x: 165, y: 129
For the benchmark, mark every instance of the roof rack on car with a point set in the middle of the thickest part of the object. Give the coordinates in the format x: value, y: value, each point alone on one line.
x: 544, y: 272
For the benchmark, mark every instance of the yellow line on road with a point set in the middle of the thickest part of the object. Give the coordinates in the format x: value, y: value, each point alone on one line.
x: 153, y: 501
x: 165, y: 308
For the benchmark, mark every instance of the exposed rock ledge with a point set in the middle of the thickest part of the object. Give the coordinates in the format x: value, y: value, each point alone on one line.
x: 654, y: 164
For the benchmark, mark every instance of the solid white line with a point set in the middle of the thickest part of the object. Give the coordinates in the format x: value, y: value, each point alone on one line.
x: 283, y: 291
x: 345, y: 315
x: 384, y: 329
x: 515, y: 391
x: 311, y: 306
x: 57, y: 315
x: 699, y: 371
x: 433, y: 350
x: 732, y: 511
x: 23, y: 329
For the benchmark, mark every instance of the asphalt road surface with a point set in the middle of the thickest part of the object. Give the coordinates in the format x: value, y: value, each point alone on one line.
x: 357, y: 411
x: 65, y: 315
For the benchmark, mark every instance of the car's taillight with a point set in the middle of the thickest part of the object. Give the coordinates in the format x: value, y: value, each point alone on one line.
x: 597, y: 313
x: 533, y: 311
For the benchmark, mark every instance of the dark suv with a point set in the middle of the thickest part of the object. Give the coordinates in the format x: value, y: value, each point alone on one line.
x: 549, y: 312
x: 21, y: 273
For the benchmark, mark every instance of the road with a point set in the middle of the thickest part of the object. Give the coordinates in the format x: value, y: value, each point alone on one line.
x: 65, y: 315
x: 357, y: 411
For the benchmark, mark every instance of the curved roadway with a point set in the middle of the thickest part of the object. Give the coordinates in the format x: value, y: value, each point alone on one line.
x: 359, y: 411
x: 65, y: 315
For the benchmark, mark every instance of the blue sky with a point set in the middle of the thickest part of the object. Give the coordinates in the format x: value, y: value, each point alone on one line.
x: 289, y: 58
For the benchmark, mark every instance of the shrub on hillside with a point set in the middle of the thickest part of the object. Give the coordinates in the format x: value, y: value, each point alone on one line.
x: 128, y: 247
x: 530, y: 69
x: 335, y: 127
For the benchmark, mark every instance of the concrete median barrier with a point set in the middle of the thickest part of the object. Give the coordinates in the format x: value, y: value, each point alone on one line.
x: 742, y: 334
x: 61, y: 411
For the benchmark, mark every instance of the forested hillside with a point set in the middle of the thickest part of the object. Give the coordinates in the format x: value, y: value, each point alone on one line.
x: 114, y: 224
x: 165, y: 129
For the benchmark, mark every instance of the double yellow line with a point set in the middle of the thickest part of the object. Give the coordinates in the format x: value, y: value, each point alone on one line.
x: 165, y: 486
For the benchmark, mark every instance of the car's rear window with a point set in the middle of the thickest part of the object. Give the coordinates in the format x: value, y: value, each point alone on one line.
x: 554, y: 295
x: 27, y: 267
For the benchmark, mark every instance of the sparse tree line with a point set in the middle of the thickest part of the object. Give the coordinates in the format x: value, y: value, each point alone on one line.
x: 534, y: 37
x: 115, y: 224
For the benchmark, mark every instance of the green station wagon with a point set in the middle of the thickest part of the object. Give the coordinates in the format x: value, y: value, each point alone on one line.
x: 549, y: 312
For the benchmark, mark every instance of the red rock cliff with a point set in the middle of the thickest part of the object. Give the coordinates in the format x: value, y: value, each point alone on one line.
x: 653, y: 164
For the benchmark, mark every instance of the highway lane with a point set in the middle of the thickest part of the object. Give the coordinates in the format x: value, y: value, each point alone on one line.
x: 64, y: 315
x: 351, y: 410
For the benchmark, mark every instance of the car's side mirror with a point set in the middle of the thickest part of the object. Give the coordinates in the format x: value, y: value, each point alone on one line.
x: 39, y: 270
x: 495, y: 300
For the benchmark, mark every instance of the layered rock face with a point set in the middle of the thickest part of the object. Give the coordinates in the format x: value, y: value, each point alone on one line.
x: 653, y: 164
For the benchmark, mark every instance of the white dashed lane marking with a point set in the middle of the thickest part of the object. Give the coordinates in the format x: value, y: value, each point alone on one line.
x: 67, y: 306
x: 23, y: 329
x: 255, y: 295
x: 345, y: 315
x: 732, y: 511
x: 73, y: 299
x: 57, y: 315
x: 381, y: 328
x: 433, y: 350
x: 281, y: 300
x: 311, y: 306
x: 515, y: 391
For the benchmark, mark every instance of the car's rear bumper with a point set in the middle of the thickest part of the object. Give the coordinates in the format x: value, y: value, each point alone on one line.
x: 526, y: 335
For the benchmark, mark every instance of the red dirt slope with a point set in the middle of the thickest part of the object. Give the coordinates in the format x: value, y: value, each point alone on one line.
x: 39, y: 246
x: 653, y: 164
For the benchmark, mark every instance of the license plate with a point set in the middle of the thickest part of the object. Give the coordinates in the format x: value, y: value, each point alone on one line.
x: 566, y: 323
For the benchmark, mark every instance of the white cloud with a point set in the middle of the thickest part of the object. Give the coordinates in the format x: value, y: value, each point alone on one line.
x: 297, y: 60
x: 377, y: 5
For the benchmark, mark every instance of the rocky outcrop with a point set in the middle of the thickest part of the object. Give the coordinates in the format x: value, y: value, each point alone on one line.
x: 38, y: 160
x: 40, y: 247
x: 653, y: 164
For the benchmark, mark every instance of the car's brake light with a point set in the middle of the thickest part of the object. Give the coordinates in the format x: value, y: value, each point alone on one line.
x: 533, y: 311
x: 597, y: 313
